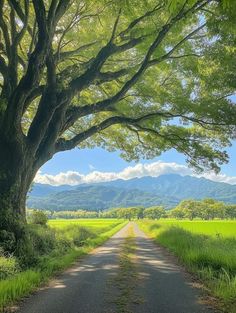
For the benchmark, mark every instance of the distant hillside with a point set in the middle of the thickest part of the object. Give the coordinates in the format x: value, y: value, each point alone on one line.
x: 180, y: 187
x: 93, y: 197
x: 41, y: 190
x: 167, y: 190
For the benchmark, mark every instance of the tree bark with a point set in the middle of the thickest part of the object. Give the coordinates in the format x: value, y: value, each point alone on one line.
x: 16, y: 175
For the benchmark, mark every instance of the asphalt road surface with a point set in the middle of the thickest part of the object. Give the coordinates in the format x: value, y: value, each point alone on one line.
x: 87, y: 287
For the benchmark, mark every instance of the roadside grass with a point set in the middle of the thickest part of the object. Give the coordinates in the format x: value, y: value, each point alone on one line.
x: 207, y: 249
x: 66, y: 251
x: 126, y: 279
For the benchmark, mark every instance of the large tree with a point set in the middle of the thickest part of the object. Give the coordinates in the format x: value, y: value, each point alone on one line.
x: 139, y: 76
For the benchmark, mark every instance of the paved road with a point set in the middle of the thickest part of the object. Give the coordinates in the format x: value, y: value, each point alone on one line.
x: 83, y: 288
x: 88, y: 287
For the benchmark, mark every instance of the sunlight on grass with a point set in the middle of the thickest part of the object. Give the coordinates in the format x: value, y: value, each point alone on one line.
x: 74, y: 239
x: 207, y: 248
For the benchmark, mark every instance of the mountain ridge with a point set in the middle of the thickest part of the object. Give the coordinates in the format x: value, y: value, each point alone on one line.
x: 167, y: 190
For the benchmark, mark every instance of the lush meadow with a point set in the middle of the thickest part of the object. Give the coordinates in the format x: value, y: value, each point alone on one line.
x: 207, y: 248
x: 53, y: 248
x: 95, y: 225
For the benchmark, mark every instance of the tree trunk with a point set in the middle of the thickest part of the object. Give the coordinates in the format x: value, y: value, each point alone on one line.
x: 16, y: 175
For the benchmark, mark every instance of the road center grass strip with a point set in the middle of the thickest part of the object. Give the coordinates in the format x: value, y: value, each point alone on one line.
x: 211, y: 257
x: 22, y: 284
x: 126, y: 279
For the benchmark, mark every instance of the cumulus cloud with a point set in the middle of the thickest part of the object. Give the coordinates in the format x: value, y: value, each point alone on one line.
x: 67, y: 178
x: 222, y: 178
x: 154, y: 169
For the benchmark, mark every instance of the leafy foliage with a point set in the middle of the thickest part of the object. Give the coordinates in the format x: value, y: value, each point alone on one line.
x: 8, y: 265
x: 154, y: 212
x: 38, y: 217
x: 147, y: 80
x: 206, y: 209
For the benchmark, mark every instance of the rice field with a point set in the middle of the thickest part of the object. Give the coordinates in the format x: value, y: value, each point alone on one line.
x: 206, y: 248
x: 96, y: 225
x: 215, y: 228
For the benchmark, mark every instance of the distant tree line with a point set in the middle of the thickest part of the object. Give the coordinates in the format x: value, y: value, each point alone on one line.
x: 65, y: 214
x: 207, y: 209
x: 154, y: 212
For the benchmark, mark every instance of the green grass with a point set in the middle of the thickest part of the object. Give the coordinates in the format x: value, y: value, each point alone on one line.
x: 126, y: 279
x: 21, y: 284
x: 207, y: 248
x: 215, y: 228
x: 95, y: 225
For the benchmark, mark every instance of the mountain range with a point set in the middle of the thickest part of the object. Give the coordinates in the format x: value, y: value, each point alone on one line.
x: 167, y: 190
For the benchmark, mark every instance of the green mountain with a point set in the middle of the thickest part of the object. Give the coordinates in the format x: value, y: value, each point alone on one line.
x: 167, y: 190
x: 94, y: 197
x: 181, y: 187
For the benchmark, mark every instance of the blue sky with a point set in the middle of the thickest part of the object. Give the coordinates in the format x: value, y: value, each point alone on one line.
x: 95, y: 165
x: 87, y: 160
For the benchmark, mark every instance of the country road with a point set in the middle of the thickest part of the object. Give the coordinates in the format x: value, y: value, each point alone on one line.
x: 162, y: 286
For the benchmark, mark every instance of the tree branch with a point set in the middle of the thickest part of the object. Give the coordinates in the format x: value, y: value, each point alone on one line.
x: 35, y: 67
x: 139, y: 19
x: 115, y: 27
x: 46, y: 107
x: 4, y: 28
x: 20, y: 13
x: 61, y: 9
x: 102, y: 105
x: 62, y: 144
x: 3, y: 67
x: 168, y: 55
x: 35, y: 93
x: 67, y: 54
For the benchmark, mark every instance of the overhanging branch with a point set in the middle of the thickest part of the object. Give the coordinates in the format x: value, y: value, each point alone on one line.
x: 147, y: 62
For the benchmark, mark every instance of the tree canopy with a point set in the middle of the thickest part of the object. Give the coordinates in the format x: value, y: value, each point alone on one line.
x: 140, y: 76
x: 206, y: 209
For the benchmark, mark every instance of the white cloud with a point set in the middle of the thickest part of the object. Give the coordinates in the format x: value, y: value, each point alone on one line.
x: 68, y: 178
x: 221, y: 178
x: 91, y: 167
x: 154, y: 169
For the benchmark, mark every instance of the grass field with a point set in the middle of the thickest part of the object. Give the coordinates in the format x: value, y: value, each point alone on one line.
x: 207, y: 248
x: 96, y: 225
x: 64, y: 241
x: 215, y: 228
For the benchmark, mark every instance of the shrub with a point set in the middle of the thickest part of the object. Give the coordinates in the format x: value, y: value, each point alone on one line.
x: 38, y: 217
x: 81, y: 235
x: 8, y: 265
x: 8, y: 241
x: 74, y: 234
x: 39, y: 240
x: 42, y: 238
